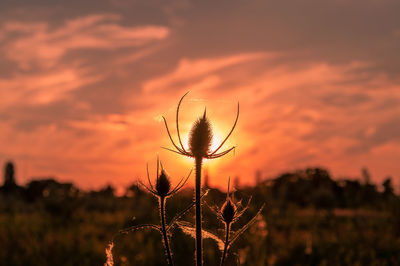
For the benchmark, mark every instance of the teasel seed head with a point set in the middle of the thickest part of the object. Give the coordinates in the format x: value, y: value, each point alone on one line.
x: 162, y: 188
x: 200, y: 137
x: 228, y: 211
x: 163, y: 185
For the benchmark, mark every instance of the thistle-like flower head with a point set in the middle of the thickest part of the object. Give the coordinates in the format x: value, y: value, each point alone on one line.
x: 162, y: 188
x: 228, y: 214
x: 200, y: 137
x: 228, y: 211
x: 163, y: 185
x: 231, y: 210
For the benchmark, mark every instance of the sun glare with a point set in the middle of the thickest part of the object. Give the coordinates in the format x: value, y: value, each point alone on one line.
x: 216, y: 141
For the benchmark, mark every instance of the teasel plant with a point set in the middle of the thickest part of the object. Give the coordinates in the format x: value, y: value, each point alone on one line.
x: 228, y: 214
x: 162, y: 190
x: 200, y: 140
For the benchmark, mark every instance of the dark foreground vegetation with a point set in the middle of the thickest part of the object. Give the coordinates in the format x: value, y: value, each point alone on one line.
x: 309, y: 219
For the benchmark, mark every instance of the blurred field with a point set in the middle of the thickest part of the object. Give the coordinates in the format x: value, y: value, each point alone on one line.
x: 56, y: 224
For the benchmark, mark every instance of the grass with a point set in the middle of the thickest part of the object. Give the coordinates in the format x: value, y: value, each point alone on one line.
x: 35, y: 236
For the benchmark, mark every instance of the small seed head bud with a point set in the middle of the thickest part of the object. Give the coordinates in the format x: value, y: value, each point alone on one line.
x: 163, y: 184
x: 200, y: 137
x: 228, y: 211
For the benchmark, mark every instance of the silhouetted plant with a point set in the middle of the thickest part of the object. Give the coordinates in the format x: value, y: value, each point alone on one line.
x: 228, y: 214
x: 200, y: 139
x: 161, y: 190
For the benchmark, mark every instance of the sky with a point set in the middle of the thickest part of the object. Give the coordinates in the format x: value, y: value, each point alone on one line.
x: 84, y: 86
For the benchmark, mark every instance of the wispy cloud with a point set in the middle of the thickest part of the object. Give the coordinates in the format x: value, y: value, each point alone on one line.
x: 41, y: 44
x: 191, y: 70
x: 43, y: 87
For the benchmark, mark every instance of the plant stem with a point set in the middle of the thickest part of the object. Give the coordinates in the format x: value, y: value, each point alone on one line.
x: 199, y: 248
x: 164, y: 231
x: 227, y: 228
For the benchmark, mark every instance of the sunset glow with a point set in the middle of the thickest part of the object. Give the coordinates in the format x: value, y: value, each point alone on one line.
x: 82, y: 90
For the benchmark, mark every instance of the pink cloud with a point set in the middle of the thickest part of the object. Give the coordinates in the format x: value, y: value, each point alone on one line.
x: 44, y: 45
x: 189, y: 70
x: 42, y: 88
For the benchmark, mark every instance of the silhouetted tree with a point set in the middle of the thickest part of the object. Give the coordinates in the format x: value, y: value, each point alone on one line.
x: 387, y: 187
x: 49, y: 188
x: 134, y: 191
x: 352, y: 194
x: 106, y: 192
x: 9, y: 178
x: 323, y: 199
x: 9, y: 186
x: 370, y: 195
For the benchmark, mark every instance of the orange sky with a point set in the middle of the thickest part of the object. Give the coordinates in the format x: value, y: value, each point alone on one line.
x: 83, y: 86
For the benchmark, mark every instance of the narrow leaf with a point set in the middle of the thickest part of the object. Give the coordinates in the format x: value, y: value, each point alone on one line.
x: 139, y: 227
x: 190, y: 230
